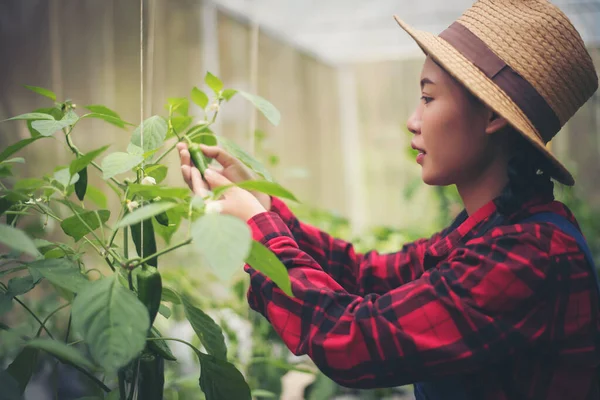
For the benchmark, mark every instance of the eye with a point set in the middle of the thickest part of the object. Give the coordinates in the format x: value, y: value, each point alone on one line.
x: 426, y: 99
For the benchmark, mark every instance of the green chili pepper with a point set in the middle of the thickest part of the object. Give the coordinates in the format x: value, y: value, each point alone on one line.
x: 149, y: 246
x: 81, y: 184
x: 149, y: 287
x: 159, y: 347
x: 162, y: 218
x: 198, y: 158
x: 151, y: 379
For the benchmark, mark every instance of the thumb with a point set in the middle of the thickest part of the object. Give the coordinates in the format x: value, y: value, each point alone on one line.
x: 215, y: 179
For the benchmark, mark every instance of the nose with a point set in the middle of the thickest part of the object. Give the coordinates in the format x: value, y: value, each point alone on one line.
x: 414, y: 122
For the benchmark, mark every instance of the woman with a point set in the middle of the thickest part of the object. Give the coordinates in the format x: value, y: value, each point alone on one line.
x: 502, y: 304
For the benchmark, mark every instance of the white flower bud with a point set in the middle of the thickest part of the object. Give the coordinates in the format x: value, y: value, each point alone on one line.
x: 132, y: 205
x: 213, y: 207
x: 213, y: 107
x: 148, y: 180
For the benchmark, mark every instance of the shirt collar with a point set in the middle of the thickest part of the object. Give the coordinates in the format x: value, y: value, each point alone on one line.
x: 484, y: 214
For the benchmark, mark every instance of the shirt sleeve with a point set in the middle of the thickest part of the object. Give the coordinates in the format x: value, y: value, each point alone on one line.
x: 357, y: 273
x: 475, y: 308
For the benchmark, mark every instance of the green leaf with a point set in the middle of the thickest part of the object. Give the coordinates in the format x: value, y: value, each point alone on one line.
x: 18, y: 240
x: 97, y: 196
x: 63, y: 177
x: 44, y: 92
x: 23, y: 366
x: 229, y: 93
x: 209, y: 333
x: 10, y: 387
x: 160, y: 347
x: 10, y: 150
x: 156, y: 171
x: 223, y: 241
x: 21, y: 285
x: 31, y: 117
x: 263, y: 394
x: 199, y: 97
x: 81, y: 184
x: 112, y: 321
x: 221, y: 380
x: 213, y: 82
x: 144, y: 213
x: 105, y: 113
x: 180, y: 123
x: 6, y: 302
x: 170, y: 295
x: 50, y: 127
x: 62, y: 272
x: 267, y: 187
x: 81, y: 162
x: 165, y: 192
x: 5, y: 204
x: 244, y: 157
x: 118, y: 163
x: 180, y: 105
x: 264, y: 106
x: 74, y: 227
x: 55, y: 112
x: 164, y: 311
x: 155, y: 132
x: 19, y: 160
x: 262, y: 259
x: 28, y: 184
x: 62, y: 351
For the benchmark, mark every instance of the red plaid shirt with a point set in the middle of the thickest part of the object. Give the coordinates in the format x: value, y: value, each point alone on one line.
x: 511, y: 311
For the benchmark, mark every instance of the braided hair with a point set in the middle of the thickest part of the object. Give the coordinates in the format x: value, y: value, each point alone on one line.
x: 527, y: 176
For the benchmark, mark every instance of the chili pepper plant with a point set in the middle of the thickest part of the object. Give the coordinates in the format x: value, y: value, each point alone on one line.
x: 110, y: 337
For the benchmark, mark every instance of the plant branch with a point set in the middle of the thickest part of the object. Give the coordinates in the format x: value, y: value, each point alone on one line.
x: 160, y: 253
x: 34, y: 316
x: 78, y: 153
x: 106, y: 249
x: 50, y: 316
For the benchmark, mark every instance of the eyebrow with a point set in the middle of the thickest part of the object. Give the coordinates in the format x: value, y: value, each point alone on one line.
x: 426, y: 81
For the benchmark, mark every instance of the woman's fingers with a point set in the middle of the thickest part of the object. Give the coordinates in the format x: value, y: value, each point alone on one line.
x: 222, y: 157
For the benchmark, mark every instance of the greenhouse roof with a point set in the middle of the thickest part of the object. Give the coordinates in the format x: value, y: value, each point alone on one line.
x: 350, y: 31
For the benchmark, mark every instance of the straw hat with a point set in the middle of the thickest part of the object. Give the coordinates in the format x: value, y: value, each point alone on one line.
x: 524, y: 59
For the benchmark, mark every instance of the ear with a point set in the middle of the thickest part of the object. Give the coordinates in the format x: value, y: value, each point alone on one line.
x: 495, y: 123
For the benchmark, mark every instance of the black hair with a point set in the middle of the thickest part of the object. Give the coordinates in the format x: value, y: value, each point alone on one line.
x: 528, y: 175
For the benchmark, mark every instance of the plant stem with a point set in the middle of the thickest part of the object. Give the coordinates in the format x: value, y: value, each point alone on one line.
x: 92, y: 377
x: 106, y: 249
x: 122, y: 391
x: 78, y: 153
x: 34, y: 316
x: 68, y: 328
x: 50, y: 316
x: 85, y: 238
x: 134, y: 384
x: 160, y: 253
x: 198, y: 352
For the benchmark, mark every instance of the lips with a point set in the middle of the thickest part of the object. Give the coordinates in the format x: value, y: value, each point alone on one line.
x: 415, y: 147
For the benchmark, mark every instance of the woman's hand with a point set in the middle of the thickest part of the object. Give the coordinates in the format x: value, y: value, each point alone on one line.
x: 233, y: 169
x: 235, y: 201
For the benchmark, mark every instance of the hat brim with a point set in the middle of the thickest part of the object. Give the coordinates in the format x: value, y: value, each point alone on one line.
x: 487, y: 91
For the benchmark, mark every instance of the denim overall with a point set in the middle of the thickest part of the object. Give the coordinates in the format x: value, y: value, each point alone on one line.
x: 450, y: 388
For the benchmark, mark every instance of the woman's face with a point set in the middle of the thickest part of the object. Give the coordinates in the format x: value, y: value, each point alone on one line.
x: 449, y: 127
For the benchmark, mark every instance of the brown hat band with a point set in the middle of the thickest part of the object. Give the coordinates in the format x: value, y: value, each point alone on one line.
x: 514, y: 85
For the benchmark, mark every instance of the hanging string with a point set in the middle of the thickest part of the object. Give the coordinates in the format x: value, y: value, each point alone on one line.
x: 141, y: 175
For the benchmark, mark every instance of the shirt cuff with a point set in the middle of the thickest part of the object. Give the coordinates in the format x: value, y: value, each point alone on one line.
x: 268, y: 225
